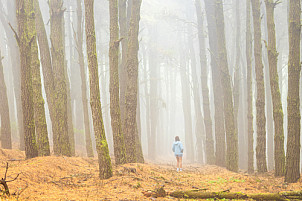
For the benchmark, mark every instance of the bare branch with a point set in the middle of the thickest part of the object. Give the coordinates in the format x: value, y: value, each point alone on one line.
x: 16, y: 35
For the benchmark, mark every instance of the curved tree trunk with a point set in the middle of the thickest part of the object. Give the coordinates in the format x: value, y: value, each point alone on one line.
x: 115, y: 112
x: 105, y: 168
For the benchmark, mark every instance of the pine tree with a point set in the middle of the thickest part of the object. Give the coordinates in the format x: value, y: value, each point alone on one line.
x: 105, y: 167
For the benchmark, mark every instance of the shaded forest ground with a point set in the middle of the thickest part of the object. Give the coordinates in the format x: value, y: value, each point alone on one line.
x: 76, y: 178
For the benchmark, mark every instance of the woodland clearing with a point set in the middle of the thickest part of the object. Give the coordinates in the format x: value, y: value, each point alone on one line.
x: 76, y: 178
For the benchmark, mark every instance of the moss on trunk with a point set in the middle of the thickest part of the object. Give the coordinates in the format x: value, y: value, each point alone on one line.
x: 105, y: 167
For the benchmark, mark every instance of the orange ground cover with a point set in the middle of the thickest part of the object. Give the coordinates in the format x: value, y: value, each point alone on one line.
x: 76, y: 178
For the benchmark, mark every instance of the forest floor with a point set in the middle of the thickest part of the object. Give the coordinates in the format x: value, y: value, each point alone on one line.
x: 76, y: 178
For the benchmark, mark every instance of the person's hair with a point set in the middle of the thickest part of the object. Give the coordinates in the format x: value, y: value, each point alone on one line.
x: 177, y: 138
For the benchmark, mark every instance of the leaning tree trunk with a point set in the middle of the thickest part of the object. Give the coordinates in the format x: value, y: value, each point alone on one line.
x: 292, y: 172
x: 105, y: 168
x: 260, y: 102
x: 210, y: 157
x: 38, y: 100
x: 248, y: 51
x: 132, y: 77
x: 61, y: 141
x: 276, y: 96
x: 25, y: 39
x: 89, y: 149
x: 115, y: 112
x: 5, y: 132
x: 47, y: 71
x: 231, y: 134
x: 217, y: 87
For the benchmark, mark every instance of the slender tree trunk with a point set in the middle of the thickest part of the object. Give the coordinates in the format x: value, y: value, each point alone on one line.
x: 276, y: 96
x: 231, y: 134
x: 105, y: 168
x: 25, y: 39
x: 139, y: 150
x: 210, y: 157
x: 260, y: 103
x: 237, y: 69
x: 248, y: 51
x: 116, y: 123
x: 217, y: 88
x: 89, y: 149
x: 47, y: 71
x: 5, y: 133
x: 122, y: 12
x: 132, y: 77
x: 61, y: 141
x: 292, y: 171
x: 38, y: 100
x: 15, y: 61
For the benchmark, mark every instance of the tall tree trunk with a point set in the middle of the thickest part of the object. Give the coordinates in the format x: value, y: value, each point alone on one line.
x: 139, y: 150
x: 260, y: 103
x: 249, y: 70
x: 210, y: 157
x: 5, y: 132
x: 68, y: 90
x: 217, y: 88
x: 105, y: 167
x: 231, y: 134
x: 25, y: 39
x: 47, y: 71
x: 61, y: 141
x: 132, y: 76
x: 38, y: 100
x: 276, y: 96
x: 15, y: 61
x: 292, y: 171
x: 116, y: 123
x: 122, y: 12
x: 89, y: 149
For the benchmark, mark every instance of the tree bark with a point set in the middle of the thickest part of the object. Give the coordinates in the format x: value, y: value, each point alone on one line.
x: 210, y: 157
x: 292, y: 170
x: 132, y: 77
x: 5, y: 133
x: 260, y: 102
x: 15, y: 61
x: 38, y: 100
x: 276, y: 96
x: 47, y: 70
x: 115, y: 112
x: 249, y: 70
x: 231, y: 134
x: 105, y: 168
x: 217, y: 88
x: 89, y: 149
x: 25, y: 42
x: 61, y: 141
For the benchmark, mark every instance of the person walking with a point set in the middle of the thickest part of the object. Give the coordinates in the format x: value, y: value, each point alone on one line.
x: 178, y: 151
